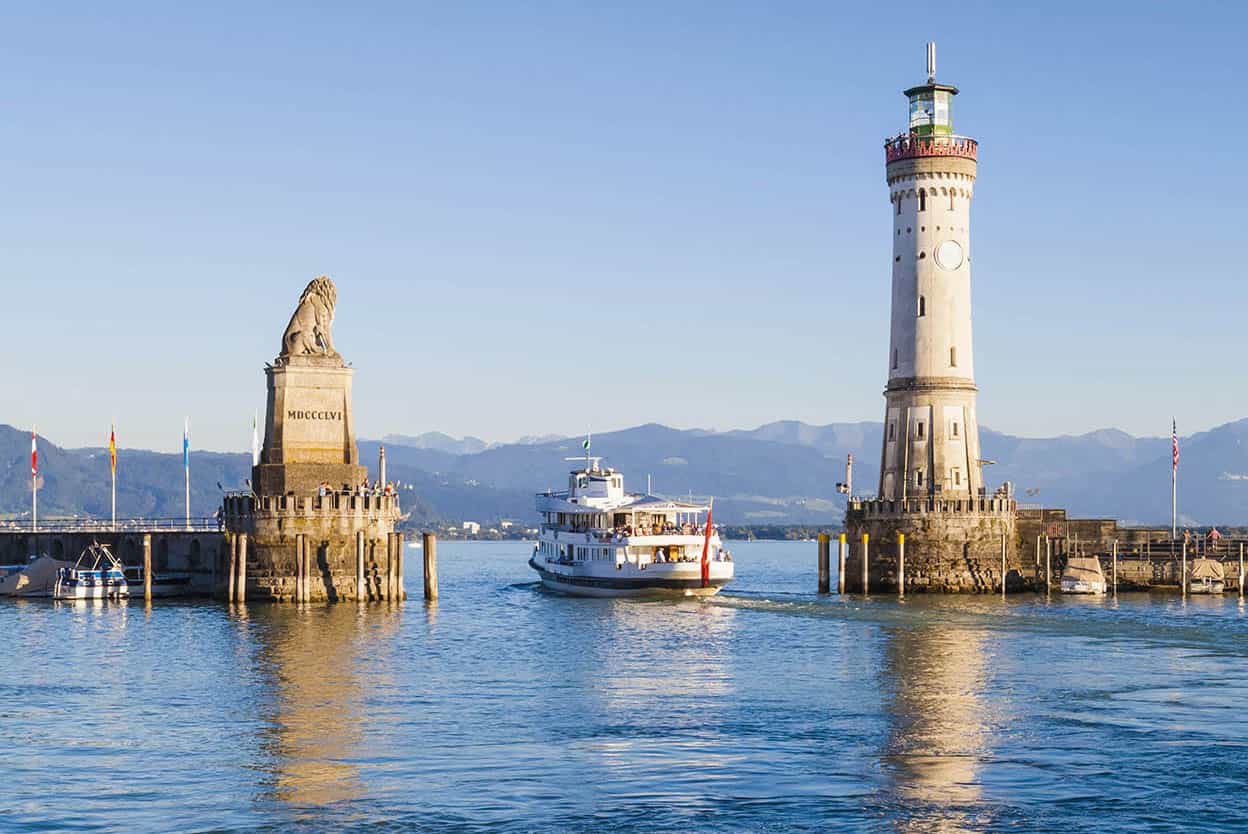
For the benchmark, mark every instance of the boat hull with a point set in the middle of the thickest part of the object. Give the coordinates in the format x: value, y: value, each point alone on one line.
x: 603, y: 586
x: 1085, y: 588
x: 1208, y: 587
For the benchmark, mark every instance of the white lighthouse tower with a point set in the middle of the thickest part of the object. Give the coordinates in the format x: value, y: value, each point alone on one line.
x: 931, y: 483
x: 931, y: 436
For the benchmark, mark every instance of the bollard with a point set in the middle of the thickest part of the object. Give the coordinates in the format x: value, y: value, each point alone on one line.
x: 866, y: 576
x: 359, y: 565
x: 240, y: 589
x: 431, y: 567
x: 842, y: 548
x: 147, y: 568
x: 825, y: 579
x: 901, y: 564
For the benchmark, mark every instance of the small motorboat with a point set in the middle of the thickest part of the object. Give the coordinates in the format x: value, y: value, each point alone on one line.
x: 36, y: 579
x: 1083, y: 575
x: 98, y: 574
x: 163, y: 584
x: 1206, y: 576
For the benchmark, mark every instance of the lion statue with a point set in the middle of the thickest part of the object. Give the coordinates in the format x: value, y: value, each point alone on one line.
x: 308, y: 333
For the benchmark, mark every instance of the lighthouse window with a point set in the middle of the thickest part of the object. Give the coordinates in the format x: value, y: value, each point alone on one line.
x: 951, y: 201
x: 922, y: 199
x: 957, y: 477
x: 953, y: 357
x: 955, y: 431
x: 894, y: 359
x: 918, y: 430
x: 918, y: 477
x: 922, y: 306
x: 892, y: 431
x: 899, y: 211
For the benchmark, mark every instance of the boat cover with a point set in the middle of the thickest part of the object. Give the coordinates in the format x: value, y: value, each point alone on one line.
x: 1087, y: 568
x: 38, y: 578
x: 1207, y: 569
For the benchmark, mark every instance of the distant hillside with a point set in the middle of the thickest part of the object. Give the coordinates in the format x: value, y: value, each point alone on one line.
x: 779, y: 473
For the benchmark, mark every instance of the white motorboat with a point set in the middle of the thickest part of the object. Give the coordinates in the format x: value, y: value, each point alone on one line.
x: 597, y: 540
x: 1083, y: 575
x: 98, y: 574
x: 1206, y: 576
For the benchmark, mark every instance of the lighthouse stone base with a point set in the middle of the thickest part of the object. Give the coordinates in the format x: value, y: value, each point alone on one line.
x: 951, y: 545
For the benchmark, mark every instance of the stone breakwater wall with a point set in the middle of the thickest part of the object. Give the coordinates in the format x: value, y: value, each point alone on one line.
x: 332, y: 526
x: 951, y: 545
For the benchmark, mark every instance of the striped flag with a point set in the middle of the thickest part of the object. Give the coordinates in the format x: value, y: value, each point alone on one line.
x: 706, y: 547
x: 112, y: 447
x: 1174, y: 444
x: 34, y: 455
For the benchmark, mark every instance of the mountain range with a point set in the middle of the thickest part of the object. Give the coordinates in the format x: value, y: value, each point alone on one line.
x: 779, y: 473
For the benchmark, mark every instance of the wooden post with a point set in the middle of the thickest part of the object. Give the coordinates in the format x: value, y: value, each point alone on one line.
x: 390, y: 566
x: 901, y: 564
x: 231, y: 580
x: 825, y: 577
x: 1037, y: 554
x: 299, y: 545
x: 1115, y: 567
x: 842, y: 548
x: 1241, y: 570
x: 866, y: 571
x: 147, y: 567
x: 431, y: 567
x: 398, y: 549
x: 240, y: 590
x: 1183, y: 577
x: 1004, y: 567
x: 359, y: 565
x: 1048, y: 564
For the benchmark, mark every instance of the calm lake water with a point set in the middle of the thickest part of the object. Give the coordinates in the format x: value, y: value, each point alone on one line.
x: 509, y: 709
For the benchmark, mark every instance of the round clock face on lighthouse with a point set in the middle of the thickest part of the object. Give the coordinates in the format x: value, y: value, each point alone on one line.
x: 949, y: 254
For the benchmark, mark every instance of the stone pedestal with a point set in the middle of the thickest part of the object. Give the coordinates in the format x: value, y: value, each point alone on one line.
x: 952, y: 546
x: 309, y: 432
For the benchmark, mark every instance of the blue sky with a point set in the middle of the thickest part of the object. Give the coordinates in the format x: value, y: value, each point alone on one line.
x: 547, y: 217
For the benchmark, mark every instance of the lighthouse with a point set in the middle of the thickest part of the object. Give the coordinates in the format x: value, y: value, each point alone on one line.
x: 931, y: 487
x: 931, y: 436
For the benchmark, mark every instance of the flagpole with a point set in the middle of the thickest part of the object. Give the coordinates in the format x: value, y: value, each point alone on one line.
x: 1174, y: 481
x: 112, y: 459
x: 34, y: 483
x: 186, y: 466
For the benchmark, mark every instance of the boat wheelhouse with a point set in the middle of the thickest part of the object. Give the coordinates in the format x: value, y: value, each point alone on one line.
x: 598, y: 540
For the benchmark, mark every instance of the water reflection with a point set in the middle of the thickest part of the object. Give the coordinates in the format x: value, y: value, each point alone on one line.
x: 937, y: 733
x: 311, y: 658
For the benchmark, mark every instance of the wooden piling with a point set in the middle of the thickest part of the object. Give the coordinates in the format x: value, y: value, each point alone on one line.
x: 1183, y: 577
x: 1241, y: 570
x: 866, y: 571
x: 390, y: 559
x: 359, y: 565
x: 901, y: 564
x: 232, y: 578
x: 398, y: 549
x: 298, y: 568
x: 147, y: 567
x: 240, y: 590
x: 1048, y: 564
x: 430, y: 544
x: 1005, y: 568
x: 1115, y: 567
x: 842, y: 548
x: 825, y: 578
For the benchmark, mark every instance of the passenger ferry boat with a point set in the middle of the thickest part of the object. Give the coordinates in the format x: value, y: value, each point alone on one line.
x: 597, y: 540
x: 98, y: 574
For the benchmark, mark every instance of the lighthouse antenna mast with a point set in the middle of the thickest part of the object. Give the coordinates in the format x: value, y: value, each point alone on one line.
x: 931, y: 62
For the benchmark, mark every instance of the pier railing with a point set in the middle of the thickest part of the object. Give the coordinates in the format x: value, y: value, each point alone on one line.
x: 70, y: 524
x: 881, y: 507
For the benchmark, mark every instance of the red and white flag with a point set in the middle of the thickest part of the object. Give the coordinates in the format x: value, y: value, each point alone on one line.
x: 34, y: 455
x: 706, y: 547
x: 1174, y: 442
